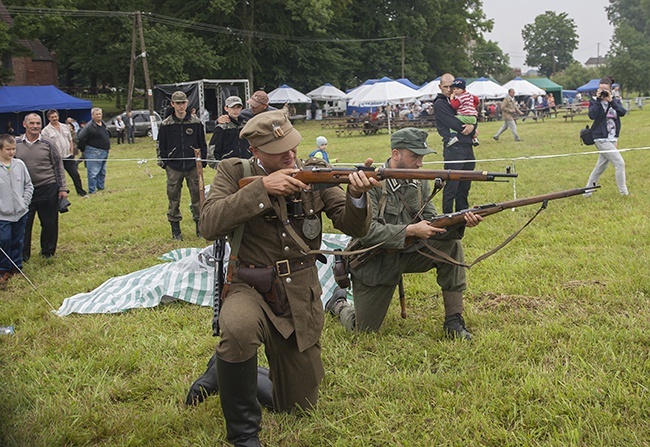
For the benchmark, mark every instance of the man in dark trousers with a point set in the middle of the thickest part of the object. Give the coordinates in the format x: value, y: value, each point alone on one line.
x: 459, y: 155
x: 45, y: 167
x: 181, y: 133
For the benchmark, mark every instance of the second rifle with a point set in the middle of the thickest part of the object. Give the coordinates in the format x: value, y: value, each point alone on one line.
x: 334, y: 176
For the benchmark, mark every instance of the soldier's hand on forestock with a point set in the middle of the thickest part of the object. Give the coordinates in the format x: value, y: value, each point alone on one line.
x: 360, y: 183
x: 472, y: 220
x: 282, y: 183
x: 422, y: 230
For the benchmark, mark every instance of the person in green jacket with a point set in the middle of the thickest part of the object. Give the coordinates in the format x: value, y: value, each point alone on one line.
x: 395, y: 205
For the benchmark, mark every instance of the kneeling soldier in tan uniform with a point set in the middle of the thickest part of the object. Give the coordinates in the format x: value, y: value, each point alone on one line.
x: 279, y: 214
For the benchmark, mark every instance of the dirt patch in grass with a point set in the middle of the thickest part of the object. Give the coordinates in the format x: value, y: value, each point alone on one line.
x: 492, y: 301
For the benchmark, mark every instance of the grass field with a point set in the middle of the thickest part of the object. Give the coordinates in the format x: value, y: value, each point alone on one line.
x: 561, y: 320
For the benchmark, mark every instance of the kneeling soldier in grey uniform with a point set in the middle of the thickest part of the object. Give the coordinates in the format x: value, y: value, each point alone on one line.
x: 395, y: 205
x: 274, y: 295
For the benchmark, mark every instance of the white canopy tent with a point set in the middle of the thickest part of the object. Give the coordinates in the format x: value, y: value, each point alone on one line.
x: 486, y: 89
x: 327, y: 92
x: 523, y: 87
x: 430, y: 90
x: 287, y: 95
x: 383, y: 92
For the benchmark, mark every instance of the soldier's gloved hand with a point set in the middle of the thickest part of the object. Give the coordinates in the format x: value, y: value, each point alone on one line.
x: 161, y: 163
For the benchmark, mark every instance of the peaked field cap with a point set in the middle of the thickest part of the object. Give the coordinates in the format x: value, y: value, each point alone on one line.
x: 271, y: 132
x: 258, y: 98
x: 179, y: 96
x: 233, y: 101
x: 415, y: 140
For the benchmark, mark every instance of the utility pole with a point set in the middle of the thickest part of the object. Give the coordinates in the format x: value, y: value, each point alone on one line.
x: 145, y: 65
x: 129, y: 100
x: 403, y: 55
x: 598, y: 54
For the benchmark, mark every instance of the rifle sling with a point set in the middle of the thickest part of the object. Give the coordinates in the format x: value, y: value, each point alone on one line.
x: 444, y: 257
x: 235, y: 243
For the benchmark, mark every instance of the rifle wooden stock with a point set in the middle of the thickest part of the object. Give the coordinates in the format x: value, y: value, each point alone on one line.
x: 447, y: 220
x: 333, y: 176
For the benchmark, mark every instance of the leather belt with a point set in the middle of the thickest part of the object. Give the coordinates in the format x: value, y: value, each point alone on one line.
x: 286, y: 266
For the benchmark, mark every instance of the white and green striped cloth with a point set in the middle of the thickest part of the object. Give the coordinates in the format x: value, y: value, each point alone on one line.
x: 188, y: 277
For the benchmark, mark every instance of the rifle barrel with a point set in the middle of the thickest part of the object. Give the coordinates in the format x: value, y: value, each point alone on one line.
x: 338, y: 175
x: 446, y: 220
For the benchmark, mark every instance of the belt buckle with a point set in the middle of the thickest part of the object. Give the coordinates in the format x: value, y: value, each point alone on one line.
x: 283, y: 268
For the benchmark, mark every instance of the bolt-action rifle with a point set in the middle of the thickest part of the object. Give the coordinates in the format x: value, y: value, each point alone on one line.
x: 334, y: 176
x: 458, y: 219
x: 447, y: 220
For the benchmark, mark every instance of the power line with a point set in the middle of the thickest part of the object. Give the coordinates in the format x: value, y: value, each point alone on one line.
x: 188, y: 24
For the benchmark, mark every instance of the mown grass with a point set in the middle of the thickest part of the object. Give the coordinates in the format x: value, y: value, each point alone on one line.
x: 560, y: 317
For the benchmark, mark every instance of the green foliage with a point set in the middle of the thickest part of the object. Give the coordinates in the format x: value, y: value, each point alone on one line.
x: 489, y: 60
x: 576, y: 75
x: 561, y: 318
x: 550, y: 42
x: 300, y: 42
x: 629, y: 55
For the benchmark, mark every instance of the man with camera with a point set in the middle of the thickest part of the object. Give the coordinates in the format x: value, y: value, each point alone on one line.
x: 606, y: 111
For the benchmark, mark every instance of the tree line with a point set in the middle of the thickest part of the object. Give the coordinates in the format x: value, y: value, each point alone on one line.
x: 306, y: 43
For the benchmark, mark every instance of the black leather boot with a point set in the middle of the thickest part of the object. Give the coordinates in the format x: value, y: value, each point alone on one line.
x: 198, y: 231
x: 242, y: 411
x: 207, y: 385
x: 176, y: 231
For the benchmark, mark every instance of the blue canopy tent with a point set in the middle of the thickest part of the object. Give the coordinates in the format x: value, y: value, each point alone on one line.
x: 590, y: 86
x: 408, y: 83
x: 18, y: 101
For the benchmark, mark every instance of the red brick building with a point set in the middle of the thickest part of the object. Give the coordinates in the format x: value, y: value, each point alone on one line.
x: 38, y: 69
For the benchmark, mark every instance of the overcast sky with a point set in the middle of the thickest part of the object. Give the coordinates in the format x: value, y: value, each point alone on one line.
x: 510, y: 17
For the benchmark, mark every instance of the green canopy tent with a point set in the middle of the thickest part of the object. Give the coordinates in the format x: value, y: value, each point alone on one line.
x: 549, y: 86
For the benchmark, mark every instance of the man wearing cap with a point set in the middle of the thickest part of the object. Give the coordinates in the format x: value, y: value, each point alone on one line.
x: 258, y: 103
x: 459, y: 155
x: 225, y: 141
x: 274, y: 295
x: 395, y: 207
x: 180, y: 133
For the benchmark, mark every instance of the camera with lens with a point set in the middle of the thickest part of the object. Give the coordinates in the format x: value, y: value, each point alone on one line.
x: 604, y: 94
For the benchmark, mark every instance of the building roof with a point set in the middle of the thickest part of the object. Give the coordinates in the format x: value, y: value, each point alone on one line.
x: 596, y: 60
x: 39, y: 52
x: 5, y: 16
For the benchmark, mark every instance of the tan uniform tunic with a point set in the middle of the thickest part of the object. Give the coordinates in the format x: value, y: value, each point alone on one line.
x: 246, y: 320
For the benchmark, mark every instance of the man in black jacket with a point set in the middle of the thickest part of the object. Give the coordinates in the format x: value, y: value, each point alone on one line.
x: 181, y: 133
x: 459, y: 155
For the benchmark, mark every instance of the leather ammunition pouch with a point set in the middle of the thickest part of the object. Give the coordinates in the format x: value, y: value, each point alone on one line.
x: 340, y: 270
x: 266, y: 280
